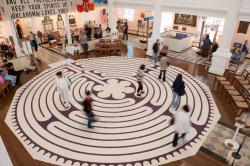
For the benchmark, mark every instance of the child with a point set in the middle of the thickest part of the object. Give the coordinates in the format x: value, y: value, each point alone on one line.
x: 140, y: 75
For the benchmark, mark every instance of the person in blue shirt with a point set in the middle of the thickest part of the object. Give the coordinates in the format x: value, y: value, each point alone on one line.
x: 206, y: 47
x: 245, y: 48
x: 51, y: 37
x: 207, y: 41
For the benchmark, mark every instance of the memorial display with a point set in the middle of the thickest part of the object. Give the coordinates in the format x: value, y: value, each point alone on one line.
x: 185, y: 19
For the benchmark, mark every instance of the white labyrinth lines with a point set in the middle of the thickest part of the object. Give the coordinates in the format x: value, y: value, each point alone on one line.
x: 129, y: 130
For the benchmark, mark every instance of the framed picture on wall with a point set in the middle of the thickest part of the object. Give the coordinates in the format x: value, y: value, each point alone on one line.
x: 185, y: 19
x: 72, y: 20
x: 60, y: 22
x: 48, y: 24
x: 48, y: 27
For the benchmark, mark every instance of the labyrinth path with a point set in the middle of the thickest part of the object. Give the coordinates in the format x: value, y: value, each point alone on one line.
x: 129, y: 131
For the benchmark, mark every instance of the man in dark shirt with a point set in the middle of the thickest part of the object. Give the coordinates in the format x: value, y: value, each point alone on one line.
x: 156, y: 49
x: 88, y: 106
x: 125, y: 31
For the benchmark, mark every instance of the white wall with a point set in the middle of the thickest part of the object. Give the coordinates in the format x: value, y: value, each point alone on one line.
x: 216, y: 8
x: 137, y: 16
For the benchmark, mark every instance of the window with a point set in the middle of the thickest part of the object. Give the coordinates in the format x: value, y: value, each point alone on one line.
x: 167, y: 21
x: 128, y: 14
x: 243, y: 27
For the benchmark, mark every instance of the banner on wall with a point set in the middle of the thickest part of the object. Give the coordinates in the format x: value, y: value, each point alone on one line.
x: 2, y: 12
x: 35, y: 8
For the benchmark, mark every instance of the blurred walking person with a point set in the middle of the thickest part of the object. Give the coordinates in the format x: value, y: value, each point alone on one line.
x: 83, y: 40
x: 182, y: 124
x: 88, y: 108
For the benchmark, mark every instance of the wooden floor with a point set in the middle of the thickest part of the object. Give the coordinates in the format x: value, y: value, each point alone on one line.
x: 20, y: 156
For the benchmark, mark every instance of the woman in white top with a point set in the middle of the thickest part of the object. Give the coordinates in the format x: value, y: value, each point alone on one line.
x: 63, y: 86
x: 182, y: 124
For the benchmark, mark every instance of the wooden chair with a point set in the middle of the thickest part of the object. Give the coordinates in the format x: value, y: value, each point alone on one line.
x: 103, y: 51
x: 230, y: 90
x: 102, y: 41
x: 222, y: 80
x: 111, y: 49
x: 97, y: 49
x: 243, y: 75
x: 118, y: 49
x: 240, y: 103
x: 248, y: 77
x: 118, y: 41
x: 108, y: 41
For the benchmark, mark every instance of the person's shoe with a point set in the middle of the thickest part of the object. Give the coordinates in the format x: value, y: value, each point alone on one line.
x: 164, y: 80
x: 142, y: 92
x: 138, y: 94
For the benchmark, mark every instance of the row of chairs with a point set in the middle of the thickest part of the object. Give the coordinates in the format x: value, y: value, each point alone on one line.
x: 106, y: 47
x: 236, y: 88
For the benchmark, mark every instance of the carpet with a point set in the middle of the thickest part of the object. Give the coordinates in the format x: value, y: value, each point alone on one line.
x: 129, y: 131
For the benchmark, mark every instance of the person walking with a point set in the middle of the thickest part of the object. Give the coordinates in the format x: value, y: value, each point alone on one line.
x: 178, y: 90
x: 245, y: 48
x: 182, y: 124
x: 140, y: 75
x: 156, y: 49
x: 164, y: 64
x: 63, y: 86
x: 83, y: 40
x: 100, y: 31
x: 88, y: 31
x: 125, y: 31
x: 88, y: 108
x: 33, y: 41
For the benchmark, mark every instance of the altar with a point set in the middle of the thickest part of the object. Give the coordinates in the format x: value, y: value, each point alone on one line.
x: 177, y: 41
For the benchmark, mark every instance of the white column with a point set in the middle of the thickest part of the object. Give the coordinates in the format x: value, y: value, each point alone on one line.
x: 16, y: 42
x: 222, y: 56
x: 157, y: 27
x: 67, y: 26
x: 111, y: 20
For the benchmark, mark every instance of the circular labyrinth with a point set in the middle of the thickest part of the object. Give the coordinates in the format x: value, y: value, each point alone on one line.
x: 129, y: 131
